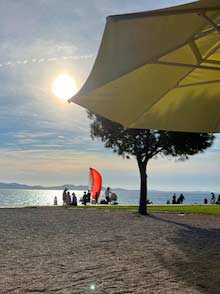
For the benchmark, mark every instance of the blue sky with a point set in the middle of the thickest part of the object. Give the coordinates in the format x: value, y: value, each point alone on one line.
x: 46, y: 141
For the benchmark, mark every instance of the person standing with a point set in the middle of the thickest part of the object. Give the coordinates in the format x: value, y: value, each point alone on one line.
x: 88, y: 196
x: 74, y: 199
x: 174, y: 199
x: 84, y: 198
x: 96, y: 197
x: 64, y: 196
x: 68, y: 198
x: 212, y: 201
x: 55, y: 201
x: 107, y: 194
x: 181, y: 198
x: 114, y: 198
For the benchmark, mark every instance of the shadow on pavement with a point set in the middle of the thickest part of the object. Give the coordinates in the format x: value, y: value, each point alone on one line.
x: 194, y: 255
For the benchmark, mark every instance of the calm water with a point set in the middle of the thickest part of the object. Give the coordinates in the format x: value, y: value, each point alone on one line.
x: 45, y: 197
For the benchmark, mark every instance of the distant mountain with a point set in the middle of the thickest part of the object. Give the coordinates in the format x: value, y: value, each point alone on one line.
x: 83, y: 187
x: 28, y: 187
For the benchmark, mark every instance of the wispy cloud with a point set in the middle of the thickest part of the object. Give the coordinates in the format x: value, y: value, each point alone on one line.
x: 70, y: 166
x: 35, y: 60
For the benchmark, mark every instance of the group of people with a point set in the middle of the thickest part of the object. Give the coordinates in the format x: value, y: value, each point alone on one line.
x: 181, y: 198
x: 68, y: 199
x: 176, y: 200
x: 87, y: 197
x: 212, y: 200
x: 110, y: 197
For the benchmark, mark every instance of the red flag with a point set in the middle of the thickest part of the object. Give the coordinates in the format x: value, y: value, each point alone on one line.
x: 96, y: 183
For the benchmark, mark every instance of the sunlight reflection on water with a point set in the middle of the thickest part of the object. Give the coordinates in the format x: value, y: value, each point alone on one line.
x: 13, y: 197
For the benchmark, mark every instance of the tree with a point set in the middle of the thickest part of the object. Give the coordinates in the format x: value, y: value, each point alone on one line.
x: 146, y: 144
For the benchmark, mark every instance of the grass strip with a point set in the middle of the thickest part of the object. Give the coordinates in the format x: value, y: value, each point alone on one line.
x: 201, y: 209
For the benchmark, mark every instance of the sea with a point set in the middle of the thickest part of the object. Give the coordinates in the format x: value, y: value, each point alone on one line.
x: 28, y: 198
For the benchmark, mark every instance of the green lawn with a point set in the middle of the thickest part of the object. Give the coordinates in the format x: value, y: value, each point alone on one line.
x: 204, y: 209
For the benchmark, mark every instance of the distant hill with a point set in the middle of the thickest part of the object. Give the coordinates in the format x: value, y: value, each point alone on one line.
x: 81, y: 187
x: 28, y: 187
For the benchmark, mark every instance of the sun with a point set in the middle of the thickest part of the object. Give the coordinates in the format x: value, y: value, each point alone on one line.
x: 64, y: 87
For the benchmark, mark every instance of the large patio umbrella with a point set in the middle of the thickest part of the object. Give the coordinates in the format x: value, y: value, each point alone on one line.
x: 159, y: 70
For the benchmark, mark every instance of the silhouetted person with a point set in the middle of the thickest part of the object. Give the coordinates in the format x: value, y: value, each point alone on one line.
x: 218, y: 201
x: 113, y: 197
x: 84, y: 198
x: 68, y: 198
x: 55, y: 201
x: 64, y: 196
x: 212, y: 201
x: 88, y: 199
x: 205, y: 201
x: 96, y: 197
x: 74, y: 199
x: 180, y: 199
x: 107, y: 194
x: 168, y: 201
x: 174, y: 199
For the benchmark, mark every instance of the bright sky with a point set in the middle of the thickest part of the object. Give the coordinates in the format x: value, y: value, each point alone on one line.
x: 46, y: 141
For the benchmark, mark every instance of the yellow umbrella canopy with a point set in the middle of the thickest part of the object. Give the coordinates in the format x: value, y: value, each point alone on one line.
x: 159, y: 70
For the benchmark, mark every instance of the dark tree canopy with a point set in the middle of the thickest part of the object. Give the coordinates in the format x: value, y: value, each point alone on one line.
x: 146, y: 144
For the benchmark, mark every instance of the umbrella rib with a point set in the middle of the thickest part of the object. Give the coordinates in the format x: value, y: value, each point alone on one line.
x: 155, y: 102
x: 196, y: 51
x: 205, y: 33
x: 212, y: 61
x: 199, y: 83
x: 191, y: 39
x: 212, y: 51
x: 199, y: 57
x: 164, y: 94
x: 210, y: 21
x: 186, y: 65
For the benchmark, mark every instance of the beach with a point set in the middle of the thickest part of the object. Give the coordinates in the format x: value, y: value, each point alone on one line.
x: 60, y: 250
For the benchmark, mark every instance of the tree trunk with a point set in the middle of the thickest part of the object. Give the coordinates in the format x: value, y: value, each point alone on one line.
x: 143, y: 186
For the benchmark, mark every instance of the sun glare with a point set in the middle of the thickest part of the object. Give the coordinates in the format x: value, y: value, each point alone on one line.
x: 64, y: 87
